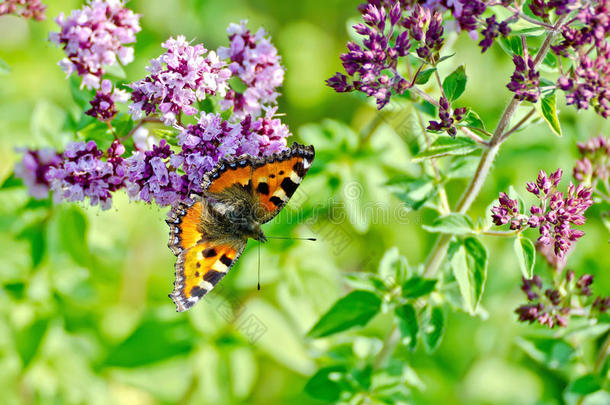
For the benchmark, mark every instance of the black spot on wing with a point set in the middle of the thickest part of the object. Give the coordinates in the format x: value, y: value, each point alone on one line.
x: 198, y: 291
x: 225, y: 260
x: 299, y: 169
x: 209, y: 252
x: 289, y: 186
x: 276, y: 200
x: 213, y: 276
x: 263, y: 188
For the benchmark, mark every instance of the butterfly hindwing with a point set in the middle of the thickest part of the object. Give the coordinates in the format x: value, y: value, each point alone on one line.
x: 184, y: 220
x: 276, y: 180
x: 200, y: 268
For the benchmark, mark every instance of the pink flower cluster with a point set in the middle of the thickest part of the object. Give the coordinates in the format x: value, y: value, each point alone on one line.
x: 254, y: 59
x: 33, y: 9
x: 94, y: 37
x: 556, y: 214
x: 103, y: 105
x: 179, y: 78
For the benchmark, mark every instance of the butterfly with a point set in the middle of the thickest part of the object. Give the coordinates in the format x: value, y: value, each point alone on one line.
x: 239, y: 195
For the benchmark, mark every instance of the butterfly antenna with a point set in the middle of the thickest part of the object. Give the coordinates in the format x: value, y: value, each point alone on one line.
x: 259, y: 265
x: 290, y: 238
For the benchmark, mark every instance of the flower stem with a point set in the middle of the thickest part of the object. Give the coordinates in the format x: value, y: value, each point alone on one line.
x: 487, y: 157
x: 389, y: 344
x: 602, y: 355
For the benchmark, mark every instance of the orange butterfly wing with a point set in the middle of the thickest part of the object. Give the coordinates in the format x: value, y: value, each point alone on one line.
x: 277, y: 179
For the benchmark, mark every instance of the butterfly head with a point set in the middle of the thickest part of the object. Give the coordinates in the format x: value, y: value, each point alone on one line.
x: 255, y: 232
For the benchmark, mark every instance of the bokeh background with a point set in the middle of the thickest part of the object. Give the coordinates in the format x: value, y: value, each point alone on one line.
x: 84, y: 312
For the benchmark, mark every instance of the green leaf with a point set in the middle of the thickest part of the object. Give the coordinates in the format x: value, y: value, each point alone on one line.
x: 426, y: 107
x: 477, y: 266
x: 459, y: 265
x: 324, y: 385
x: 424, y: 76
x: 5, y: 69
x: 96, y: 131
x: 115, y: 70
x: 153, y: 340
x: 80, y: 96
x: 551, y: 60
x: 462, y: 167
x: 11, y: 181
x: 417, y: 286
x: 474, y: 121
x: 454, y: 223
x: 514, y: 195
x: 434, y: 327
x: 585, y: 385
x: 28, y: 340
x: 455, y: 84
x: 237, y: 84
x: 35, y: 234
x: 73, y: 234
x: 548, y: 109
x: 444, y: 58
x: 469, y: 264
x: 406, y: 317
x: 526, y: 255
x: 512, y: 45
x: 355, y: 309
x: 446, y: 145
x: 414, y: 192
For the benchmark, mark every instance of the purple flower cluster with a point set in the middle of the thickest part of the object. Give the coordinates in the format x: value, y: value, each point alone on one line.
x: 33, y: 170
x: 83, y: 173
x: 255, y: 61
x: 447, y: 118
x: 152, y: 176
x: 33, y: 9
x: 373, y: 67
x: 553, y: 306
x: 585, y: 40
x: 179, y: 78
x: 543, y: 9
x: 103, y: 105
x: 525, y: 81
x: 554, y: 216
x: 491, y: 31
x: 387, y: 37
x: 467, y: 12
x: 594, y: 163
x: 95, y: 36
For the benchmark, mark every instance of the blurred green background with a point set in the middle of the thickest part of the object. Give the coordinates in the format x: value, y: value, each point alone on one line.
x: 84, y: 312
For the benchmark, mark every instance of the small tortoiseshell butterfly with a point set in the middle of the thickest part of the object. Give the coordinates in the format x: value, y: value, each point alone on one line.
x: 239, y: 195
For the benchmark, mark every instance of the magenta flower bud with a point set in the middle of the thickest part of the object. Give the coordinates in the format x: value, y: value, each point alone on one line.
x: 533, y: 221
x: 536, y: 210
x: 569, y: 275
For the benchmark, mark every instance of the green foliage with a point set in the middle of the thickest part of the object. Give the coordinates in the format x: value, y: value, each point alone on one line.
x: 355, y: 309
x: 455, y: 84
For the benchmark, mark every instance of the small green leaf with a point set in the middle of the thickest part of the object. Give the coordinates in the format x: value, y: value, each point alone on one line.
x: 474, y: 121
x: 514, y: 195
x: 526, y: 255
x: 433, y: 329
x: 477, y: 266
x: 28, y: 340
x: 469, y: 264
x: 355, y: 309
x: 36, y: 235
x: 444, y: 58
x: 426, y: 107
x: 323, y: 385
x: 462, y: 167
x: 551, y: 60
x: 414, y: 192
x: 459, y: 266
x: 407, y: 324
x: 11, y: 181
x: 5, y: 69
x: 455, y: 84
x: 548, y: 109
x: 585, y: 385
x: 237, y: 84
x: 446, y: 145
x: 115, y: 70
x: 417, y: 286
x: 424, y: 76
x: 454, y: 224
x: 512, y: 45
x: 73, y: 234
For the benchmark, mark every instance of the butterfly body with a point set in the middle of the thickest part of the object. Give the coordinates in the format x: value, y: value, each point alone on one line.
x: 239, y: 195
